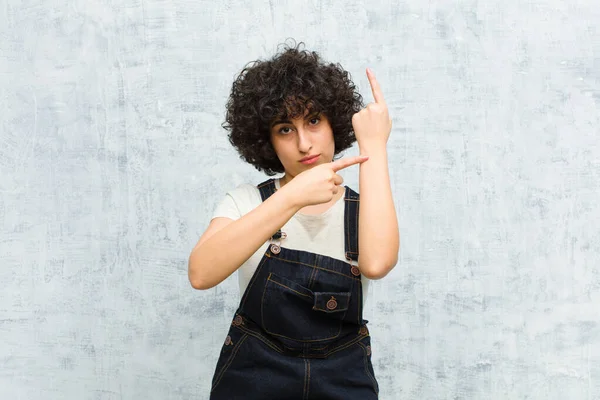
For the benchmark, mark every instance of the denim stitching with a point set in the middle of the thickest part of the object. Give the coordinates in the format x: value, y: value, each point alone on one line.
x: 366, y: 359
x: 252, y: 281
x: 308, y: 379
x: 313, y: 275
x: 262, y: 305
x: 307, y: 340
x: 265, y: 183
x: 268, y: 342
x: 262, y: 339
x: 320, y: 268
x: 343, y: 346
x: 287, y: 287
x: 229, y: 361
x: 262, y: 313
x: 338, y: 309
x: 304, y: 391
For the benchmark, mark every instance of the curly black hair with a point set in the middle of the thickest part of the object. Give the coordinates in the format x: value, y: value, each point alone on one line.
x: 291, y: 83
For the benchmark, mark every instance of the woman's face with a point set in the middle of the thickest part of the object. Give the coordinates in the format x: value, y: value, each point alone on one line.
x: 302, y: 143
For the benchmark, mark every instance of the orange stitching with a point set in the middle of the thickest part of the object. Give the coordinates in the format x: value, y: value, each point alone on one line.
x: 252, y: 281
x: 305, y: 375
x: 343, y: 346
x: 366, y: 359
x: 314, y: 273
x: 287, y: 287
x: 229, y: 361
x: 312, y: 277
x: 262, y: 339
x: 262, y: 303
x: 308, y: 340
x: 266, y: 341
x: 262, y: 313
x: 339, y: 308
x: 305, y: 378
x: 322, y: 269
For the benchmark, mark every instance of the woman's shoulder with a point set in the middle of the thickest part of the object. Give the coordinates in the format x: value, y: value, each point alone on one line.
x: 246, y: 196
x: 238, y: 201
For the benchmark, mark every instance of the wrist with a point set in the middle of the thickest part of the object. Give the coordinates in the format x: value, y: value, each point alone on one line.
x: 290, y: 198
x: 373, y: 149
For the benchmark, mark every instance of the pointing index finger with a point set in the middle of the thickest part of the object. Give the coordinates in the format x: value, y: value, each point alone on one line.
x: 375, y: 88
x: 347, y: 162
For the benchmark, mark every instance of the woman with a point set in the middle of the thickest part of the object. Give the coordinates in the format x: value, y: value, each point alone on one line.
x: 299, y: 331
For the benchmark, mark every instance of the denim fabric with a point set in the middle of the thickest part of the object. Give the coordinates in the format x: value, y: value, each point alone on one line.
x: 299, y: 331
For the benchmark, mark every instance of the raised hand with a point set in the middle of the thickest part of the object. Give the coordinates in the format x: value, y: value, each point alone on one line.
x: 372, y: 125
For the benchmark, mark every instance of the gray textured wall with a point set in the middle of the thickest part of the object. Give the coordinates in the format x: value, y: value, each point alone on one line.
x: 112, y: 158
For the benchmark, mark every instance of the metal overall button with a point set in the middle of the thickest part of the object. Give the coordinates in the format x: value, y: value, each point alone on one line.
x: 363, y: 331
x: 368, y: 350
x: 355, y: 271
x: 228, y: 341
x: 332, y: 304
x: 238, y: 320
x: 275, y: 249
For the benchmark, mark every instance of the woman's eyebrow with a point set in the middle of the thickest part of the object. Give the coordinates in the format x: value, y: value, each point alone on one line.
x: 280, y: 121
x: 285, y: 120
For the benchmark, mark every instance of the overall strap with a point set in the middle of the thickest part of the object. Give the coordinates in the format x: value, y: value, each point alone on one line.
x: 352, y: 202
x: 267, y: 188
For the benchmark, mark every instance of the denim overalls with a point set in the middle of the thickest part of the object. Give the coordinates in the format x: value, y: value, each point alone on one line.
x: 299, y: 331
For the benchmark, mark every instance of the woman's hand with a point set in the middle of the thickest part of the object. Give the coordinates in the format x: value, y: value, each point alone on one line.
x: 372, y: 125
x: 320, y: 184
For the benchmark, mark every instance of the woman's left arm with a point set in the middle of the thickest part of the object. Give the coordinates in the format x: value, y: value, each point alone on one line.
x: 379, y: 238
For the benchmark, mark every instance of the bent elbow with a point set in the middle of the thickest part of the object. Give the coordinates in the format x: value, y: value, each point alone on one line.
x: 196, y: 279
x: 374, y: 274
x: 200, y: 284
x: 378, y: 270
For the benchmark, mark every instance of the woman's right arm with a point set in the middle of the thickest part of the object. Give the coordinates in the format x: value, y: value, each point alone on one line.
x: 227, y: 244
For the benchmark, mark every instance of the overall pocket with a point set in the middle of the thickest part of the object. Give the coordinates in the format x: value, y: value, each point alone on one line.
x: 292, y: 311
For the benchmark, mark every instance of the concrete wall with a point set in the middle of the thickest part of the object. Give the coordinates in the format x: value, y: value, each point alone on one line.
x: 112, y: 159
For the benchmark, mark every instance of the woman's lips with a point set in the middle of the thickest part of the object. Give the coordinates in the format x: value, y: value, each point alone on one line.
x: 311, y: 160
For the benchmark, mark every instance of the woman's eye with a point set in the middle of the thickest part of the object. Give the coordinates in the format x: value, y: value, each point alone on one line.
x: 285, y: 130
x: 314, y: 121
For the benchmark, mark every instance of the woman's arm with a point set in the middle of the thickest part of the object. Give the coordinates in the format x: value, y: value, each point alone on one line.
x: 378, y: 235
x: 227, y: 244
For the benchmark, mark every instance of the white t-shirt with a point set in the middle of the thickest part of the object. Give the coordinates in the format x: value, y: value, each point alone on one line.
x: 319, y: 233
